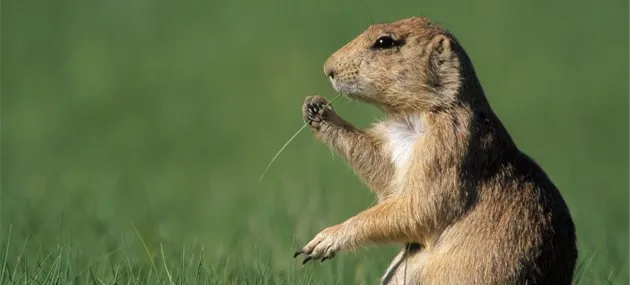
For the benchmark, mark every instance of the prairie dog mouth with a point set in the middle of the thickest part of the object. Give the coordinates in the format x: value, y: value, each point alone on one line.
x: 349, y: 89
x: 333, y: 82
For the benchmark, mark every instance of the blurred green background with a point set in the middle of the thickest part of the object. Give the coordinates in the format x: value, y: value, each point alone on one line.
x: 165, y: 113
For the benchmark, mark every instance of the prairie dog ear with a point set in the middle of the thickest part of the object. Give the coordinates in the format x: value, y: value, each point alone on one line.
x: 440, y: 47
x: 441, y: 63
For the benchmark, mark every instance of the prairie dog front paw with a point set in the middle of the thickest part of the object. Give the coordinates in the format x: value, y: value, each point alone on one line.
x: 317, y: 111
x: 324, y: 245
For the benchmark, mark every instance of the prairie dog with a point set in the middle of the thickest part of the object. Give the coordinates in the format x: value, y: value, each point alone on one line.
x: 452, y: 186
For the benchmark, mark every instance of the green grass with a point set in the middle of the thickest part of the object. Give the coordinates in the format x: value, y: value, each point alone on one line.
x: 163, y: 114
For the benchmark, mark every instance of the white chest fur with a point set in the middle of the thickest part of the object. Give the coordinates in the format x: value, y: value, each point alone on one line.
x: 401, y: 136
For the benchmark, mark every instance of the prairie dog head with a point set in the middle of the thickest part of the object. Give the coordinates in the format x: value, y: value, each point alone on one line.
x: 410, y: 64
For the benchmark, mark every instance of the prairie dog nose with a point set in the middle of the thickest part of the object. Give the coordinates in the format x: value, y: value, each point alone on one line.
x: 330, y: 73
x: 329, y: 67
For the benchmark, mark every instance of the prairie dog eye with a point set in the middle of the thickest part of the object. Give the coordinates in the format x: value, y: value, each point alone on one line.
x: 384, y: 42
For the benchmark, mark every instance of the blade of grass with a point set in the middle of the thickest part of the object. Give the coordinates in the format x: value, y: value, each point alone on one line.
x: 25, y: 269
x: 609, y: 279
x: 581, y: 268
x: 197, y: 278
x: 118, y: 275
x: 290, y: 140
x: 146, y: 249
x: 59, y: 264
x: 6, y: 254
x: 205, y: 266
x: 182, y: 267
x: 53, y: 267
x: 41, y: 266
x: 18, y: 260
x: 97, y: 261
x: 281, y: 150
x: 132, y: 276
x: 168, y: 274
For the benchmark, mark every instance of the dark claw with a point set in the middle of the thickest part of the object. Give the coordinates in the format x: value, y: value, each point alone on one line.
x: 297, y: 252
x: 325, y: 257
x: 307, y: 259
x: 311, y: 111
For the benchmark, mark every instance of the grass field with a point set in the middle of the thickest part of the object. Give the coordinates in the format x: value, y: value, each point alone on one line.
x: 134, y: 132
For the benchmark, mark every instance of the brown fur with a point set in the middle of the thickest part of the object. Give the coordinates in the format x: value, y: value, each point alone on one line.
x: 452, y: 185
